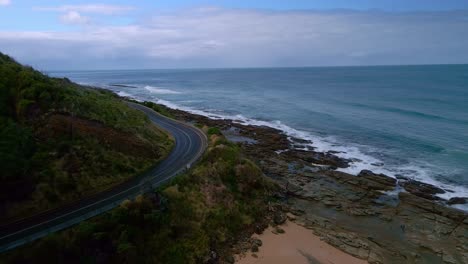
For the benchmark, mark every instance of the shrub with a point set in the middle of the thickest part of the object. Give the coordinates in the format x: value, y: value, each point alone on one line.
x: 214, y: 131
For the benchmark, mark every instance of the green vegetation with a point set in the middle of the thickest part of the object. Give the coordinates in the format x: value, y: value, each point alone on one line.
x: 60, y: 141
x: 214, y: 131
x: 156, y: 107
x: 203, y: 211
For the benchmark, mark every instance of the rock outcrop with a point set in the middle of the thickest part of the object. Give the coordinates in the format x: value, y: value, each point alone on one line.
x: 370, y: 216
x: 422, y: 189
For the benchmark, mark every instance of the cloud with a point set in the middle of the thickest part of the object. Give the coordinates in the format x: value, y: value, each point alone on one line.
x: 73, y: 17
x: 72, y: 14
x: 217, y: 37
x: 5, y: 2
x: 102, y: 9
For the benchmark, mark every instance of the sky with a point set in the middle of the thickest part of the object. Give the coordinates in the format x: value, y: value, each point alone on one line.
x: 124, y: 34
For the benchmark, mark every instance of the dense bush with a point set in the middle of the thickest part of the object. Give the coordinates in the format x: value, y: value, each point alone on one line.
x: 214, y: 131
x: 158, y: 108
x: 16, y: 149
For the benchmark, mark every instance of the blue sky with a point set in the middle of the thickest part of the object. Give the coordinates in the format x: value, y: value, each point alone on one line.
x: 45, y: 21
x: 182, y: 33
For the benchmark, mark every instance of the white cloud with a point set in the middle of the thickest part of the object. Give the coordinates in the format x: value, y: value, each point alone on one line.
x: 5, y: 2
x: 72, y: 14
x: 214, y: 37
x: 89, y: 8
x: 73, y: 17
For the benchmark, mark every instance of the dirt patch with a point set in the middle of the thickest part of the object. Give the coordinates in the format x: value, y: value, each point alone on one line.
x: 60, y: 125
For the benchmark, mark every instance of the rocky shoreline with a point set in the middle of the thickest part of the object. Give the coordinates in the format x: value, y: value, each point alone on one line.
x: 371, y: 216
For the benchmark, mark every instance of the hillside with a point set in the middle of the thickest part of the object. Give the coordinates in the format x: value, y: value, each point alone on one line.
x: 60, y: 141
x: 199, y: 217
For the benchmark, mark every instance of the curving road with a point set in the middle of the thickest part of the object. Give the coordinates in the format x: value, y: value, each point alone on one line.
x: 190, y: 143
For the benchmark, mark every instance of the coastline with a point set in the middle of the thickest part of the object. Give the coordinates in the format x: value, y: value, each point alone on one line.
x: 355, y: 157
x: 370, y: 216
x: 350, y: 163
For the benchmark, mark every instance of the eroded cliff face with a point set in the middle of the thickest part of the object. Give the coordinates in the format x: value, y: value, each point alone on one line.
x: 371, y: 216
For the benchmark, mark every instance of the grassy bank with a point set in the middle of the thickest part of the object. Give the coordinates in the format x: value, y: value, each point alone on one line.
x: 60, y: 141
x: 194, y: 219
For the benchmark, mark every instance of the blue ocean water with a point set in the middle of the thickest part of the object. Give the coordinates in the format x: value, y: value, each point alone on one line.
x: 407, y: 120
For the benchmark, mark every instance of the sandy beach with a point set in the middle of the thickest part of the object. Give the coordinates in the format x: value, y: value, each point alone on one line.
x: 297, y: 245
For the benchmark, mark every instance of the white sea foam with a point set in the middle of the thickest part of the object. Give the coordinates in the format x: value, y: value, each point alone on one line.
x: 158, y: 90
x: 123, y: 94
x: 360, y: 160
x: 85, y: 83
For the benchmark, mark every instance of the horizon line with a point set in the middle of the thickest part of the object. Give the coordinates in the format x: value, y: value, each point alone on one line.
x: 263, y: 67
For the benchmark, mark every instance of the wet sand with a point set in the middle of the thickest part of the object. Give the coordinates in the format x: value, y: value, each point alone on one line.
x: 297, y: 245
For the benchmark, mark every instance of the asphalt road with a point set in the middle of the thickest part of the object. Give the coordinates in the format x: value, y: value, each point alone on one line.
x: 190, y: 143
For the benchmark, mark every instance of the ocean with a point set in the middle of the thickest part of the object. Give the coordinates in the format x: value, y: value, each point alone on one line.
x: 396, y: 120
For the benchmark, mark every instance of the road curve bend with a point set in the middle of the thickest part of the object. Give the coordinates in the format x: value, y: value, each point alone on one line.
x: 190, y: 143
